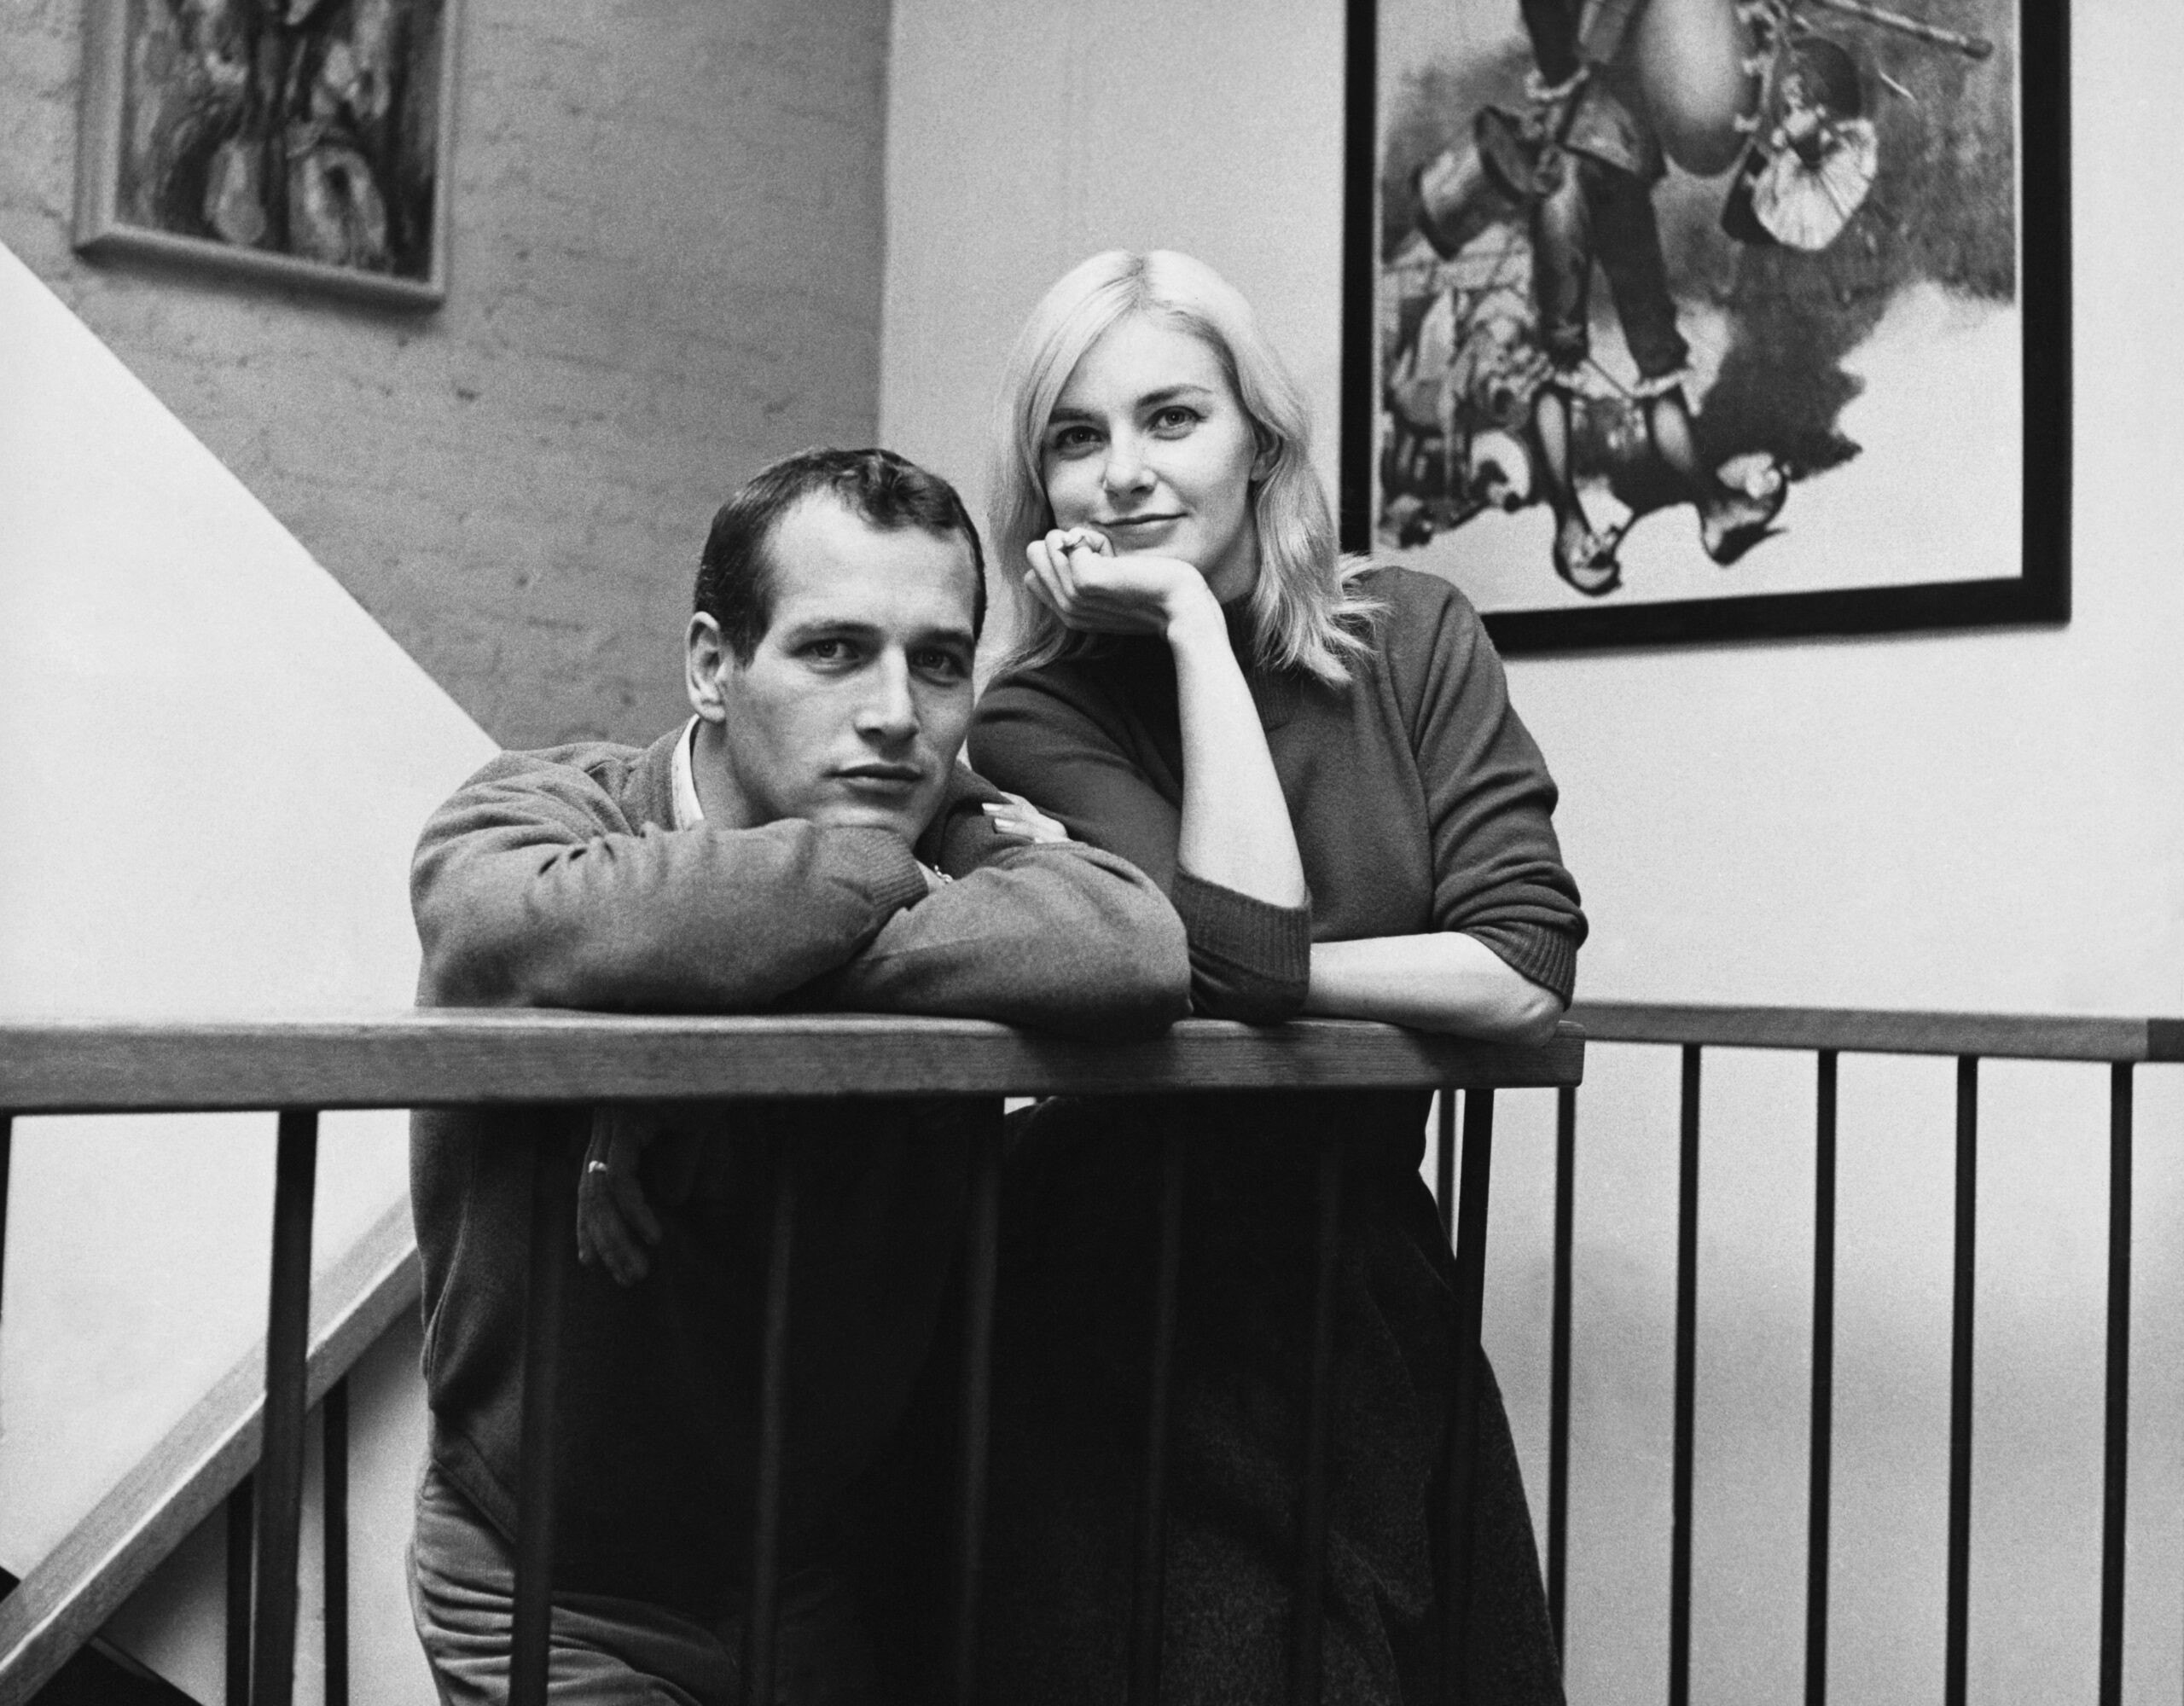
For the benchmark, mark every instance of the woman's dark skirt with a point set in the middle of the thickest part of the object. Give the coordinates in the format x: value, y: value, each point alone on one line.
x: 1072, y: 1372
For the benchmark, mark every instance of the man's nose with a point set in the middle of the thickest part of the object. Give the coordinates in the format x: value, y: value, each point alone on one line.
x: 890, y: 709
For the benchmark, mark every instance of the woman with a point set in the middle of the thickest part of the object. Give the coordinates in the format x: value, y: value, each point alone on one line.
x: 1316, y: 760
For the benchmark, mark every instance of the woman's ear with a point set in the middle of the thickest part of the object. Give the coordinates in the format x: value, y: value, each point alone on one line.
x: 1269, y: 453
x: 705, y: 655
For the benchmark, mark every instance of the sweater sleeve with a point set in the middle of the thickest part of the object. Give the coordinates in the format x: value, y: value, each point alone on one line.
x: 531, y: 888
x: 1060, y: 937
x: 1035, y: 735
x: 1497, y: 867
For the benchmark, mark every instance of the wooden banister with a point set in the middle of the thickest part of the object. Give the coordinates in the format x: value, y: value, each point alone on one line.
x: 469, y: 1056
x: 182, y: 1480
x: 473, y: 1057
x: 1879, y: 1031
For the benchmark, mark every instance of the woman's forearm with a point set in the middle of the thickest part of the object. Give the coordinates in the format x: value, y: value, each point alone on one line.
x: 1442, y: 981
x: 1235, y: 828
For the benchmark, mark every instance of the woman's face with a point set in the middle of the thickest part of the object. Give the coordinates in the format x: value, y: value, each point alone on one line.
x: 1148, y: 444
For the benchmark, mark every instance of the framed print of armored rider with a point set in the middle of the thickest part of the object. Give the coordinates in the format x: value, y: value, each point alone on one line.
x: 1692, y: 319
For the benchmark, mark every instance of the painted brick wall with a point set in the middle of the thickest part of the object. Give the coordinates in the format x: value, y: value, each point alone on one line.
x: 665, y: 268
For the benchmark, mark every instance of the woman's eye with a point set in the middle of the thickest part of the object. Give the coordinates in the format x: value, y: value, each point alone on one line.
x: 1175, y: 418
x: 1065, y: 441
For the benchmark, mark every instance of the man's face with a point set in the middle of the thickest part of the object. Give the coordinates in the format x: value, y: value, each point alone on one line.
x: 856, y: 702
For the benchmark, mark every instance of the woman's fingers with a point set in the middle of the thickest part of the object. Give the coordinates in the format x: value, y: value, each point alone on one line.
x: 1043, y: 580
x: 1014, y: 815
x: 1062, y: 545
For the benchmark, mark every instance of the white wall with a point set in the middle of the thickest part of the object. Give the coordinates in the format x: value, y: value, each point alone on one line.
x: 1986, y: 821
x: 218, y: 763
x: 1022, y: 138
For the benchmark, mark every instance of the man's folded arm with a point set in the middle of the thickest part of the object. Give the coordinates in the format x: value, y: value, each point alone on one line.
x: 530, y: 889
x: 1058, y: 937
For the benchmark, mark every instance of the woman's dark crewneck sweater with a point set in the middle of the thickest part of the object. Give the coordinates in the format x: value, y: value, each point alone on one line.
x: 1420, y: 804
x: 1420, y: 801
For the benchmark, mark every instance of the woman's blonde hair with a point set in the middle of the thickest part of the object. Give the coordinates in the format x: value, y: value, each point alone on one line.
x: 1305, y: 610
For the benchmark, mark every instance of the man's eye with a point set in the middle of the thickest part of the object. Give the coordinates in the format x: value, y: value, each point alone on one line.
x: 941, y: 666
x: 828, y: 651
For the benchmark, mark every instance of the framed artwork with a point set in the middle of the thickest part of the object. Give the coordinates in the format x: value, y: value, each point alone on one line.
x: 299, y: 141
x: 1677, y: 320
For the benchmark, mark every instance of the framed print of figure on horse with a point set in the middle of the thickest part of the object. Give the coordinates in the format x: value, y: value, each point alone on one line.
x: 1674, y: 320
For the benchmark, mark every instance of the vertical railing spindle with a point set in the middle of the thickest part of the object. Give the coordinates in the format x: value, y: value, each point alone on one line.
x: 1444, y: 1162
x: 1960, y: 1395
x: 1459, y: 1472
x: 243, y: 1525
x: 759, y: 1639
x: 1558, y: 1369
x: 1687, y: 1381
x: 981, y: 1266
x: 1819, y: 1494
x: 280, y: 1462
x: 1305, y: 1653
x: 333, y: 1483
x: 7, y: 1153
x: 2115, y: 1455
x: 553, y: 1233
x: 1149, y: 1589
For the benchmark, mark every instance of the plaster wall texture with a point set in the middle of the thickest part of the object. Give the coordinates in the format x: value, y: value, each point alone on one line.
x: 1988, y: 821
x: 665, y: 271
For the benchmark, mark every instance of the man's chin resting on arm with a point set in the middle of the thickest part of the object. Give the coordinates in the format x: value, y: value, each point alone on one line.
x: 807, y: 839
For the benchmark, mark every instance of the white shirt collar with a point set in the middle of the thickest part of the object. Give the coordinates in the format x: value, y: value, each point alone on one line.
x: 688, y: 813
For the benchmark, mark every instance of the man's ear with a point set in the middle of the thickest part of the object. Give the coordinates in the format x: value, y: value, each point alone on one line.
x: 705, y: 659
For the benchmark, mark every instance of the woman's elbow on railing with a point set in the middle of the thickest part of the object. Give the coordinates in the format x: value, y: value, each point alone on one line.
x: 1220, y: 992
x: 1534, y: 1019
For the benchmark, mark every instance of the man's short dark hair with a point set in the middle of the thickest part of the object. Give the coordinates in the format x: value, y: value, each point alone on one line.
x: 736, y: 572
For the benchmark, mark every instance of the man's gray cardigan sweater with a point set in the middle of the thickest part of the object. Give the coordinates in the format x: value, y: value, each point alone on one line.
x: 555, y: 879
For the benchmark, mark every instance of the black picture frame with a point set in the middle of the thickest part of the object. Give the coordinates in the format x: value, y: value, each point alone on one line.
x: 2039, y: 593
x: 342, y: 204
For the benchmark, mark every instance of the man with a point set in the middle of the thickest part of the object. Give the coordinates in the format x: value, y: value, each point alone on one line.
x: 807, y: 839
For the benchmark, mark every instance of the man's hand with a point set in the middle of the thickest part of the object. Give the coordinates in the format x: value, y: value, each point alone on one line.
x: 614, y: 1223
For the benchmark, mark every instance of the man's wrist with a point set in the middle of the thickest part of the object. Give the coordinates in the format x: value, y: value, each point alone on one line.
x: 894, y: 876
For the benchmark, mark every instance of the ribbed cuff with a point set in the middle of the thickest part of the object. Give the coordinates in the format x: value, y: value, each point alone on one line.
x: 1548, y: 957
x: 891, y: 870
x: 1250, y: 959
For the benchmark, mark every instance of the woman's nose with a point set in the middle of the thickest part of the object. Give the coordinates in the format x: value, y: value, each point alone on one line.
x: 1124, y: 469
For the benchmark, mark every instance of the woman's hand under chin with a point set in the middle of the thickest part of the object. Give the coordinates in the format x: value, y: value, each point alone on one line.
x: 1076, y: 574
x: 1234, y: 828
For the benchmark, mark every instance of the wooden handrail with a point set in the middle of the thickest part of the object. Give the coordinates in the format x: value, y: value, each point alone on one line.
x: 471, y: 1057
x: 453, y: 1057
x: 1880, y: 1031
x: 70, y: 1591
